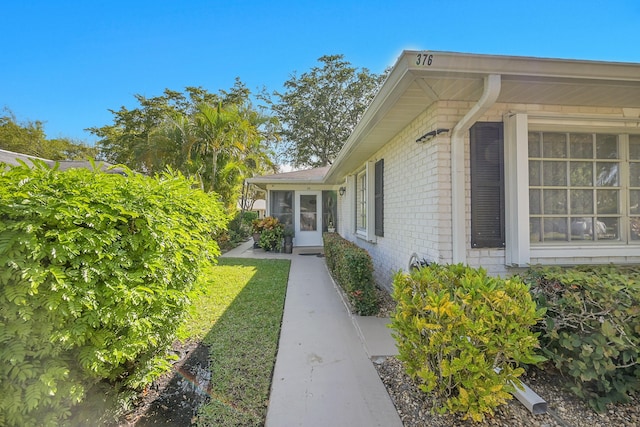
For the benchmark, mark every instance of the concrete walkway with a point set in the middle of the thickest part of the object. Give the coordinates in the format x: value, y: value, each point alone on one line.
x: 324, y: 374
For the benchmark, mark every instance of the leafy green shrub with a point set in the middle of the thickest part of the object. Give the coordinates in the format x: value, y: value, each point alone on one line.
x: 271, y: 233
x: 352, y: 268
x: 94, y: 274
x: 455, y: 325
x: 247, y: 218
x: 238, y: 230
x: 592, y: 328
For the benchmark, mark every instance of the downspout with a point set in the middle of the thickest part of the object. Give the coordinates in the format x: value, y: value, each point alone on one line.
x: 492, y: 84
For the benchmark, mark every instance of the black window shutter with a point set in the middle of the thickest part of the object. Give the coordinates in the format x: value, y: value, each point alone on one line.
x: 379, y: 198
x: 487, y: 185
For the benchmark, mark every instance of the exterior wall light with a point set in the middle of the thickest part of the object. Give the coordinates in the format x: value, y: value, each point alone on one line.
x: 342, y: 190
x: 427, y: 136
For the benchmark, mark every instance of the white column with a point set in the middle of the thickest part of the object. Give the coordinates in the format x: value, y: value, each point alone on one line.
x: 516, y: 176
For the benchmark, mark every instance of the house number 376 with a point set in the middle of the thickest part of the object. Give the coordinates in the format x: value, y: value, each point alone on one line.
x: 424, y: 59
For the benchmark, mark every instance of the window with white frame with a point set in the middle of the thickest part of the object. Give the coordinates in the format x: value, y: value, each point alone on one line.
x: 361, y: 200
x: 584, y: 187
x: 634, y: 187
x: 368, y: 199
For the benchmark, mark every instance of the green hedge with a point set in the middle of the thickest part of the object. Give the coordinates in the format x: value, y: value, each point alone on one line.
x: 592, y: 328
x: 352, y: 268
x: 455, y: 325
x: 94, y: 274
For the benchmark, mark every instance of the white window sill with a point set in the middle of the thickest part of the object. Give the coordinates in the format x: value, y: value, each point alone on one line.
x: 592, y: 251
x: 362, y: 235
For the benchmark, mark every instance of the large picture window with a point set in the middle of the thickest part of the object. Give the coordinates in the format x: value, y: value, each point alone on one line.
x: 584, y: 187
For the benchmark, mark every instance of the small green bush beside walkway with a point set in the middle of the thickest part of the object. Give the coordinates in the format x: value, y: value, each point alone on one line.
x: 352, y: 269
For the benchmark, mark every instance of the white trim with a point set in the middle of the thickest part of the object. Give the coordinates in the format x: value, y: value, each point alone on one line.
x: 368, y: 233
x: 595, y: 251
x: 606, y: 119
x: 351, y: 199
x: 360, y: 201
x: 516, y: 189
x: 308, y: 238
x: 371, y: 205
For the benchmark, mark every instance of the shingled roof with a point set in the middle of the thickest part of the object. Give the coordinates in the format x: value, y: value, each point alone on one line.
x: 12, y: 158
x: 301, y: 176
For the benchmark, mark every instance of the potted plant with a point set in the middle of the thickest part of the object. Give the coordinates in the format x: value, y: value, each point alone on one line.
x: 288, y: 240
x: 257, y: 225
x: 271, y: 234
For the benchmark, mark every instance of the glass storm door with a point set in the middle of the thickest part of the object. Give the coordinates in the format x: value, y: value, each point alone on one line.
x: 308, y: 218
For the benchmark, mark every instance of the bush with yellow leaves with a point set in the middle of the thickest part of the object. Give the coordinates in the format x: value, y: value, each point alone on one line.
x: 462, y: 335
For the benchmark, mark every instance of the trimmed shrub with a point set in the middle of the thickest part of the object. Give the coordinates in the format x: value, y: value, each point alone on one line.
x: 352, y: 268
x: 94, y: 274
x: 462, y: 334
x: 592, y: 328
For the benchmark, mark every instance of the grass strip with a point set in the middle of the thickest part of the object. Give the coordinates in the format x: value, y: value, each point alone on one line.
x: 238, y: 315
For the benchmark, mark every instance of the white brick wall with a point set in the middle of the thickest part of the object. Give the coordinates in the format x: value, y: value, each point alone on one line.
x: 417, y: 194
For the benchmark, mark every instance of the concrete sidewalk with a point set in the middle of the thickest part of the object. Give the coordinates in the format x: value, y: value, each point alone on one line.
x: 324, y: 375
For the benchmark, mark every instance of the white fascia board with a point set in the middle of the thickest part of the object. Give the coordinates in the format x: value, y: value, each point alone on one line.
x: 460, y: 63
x: 395, y: 85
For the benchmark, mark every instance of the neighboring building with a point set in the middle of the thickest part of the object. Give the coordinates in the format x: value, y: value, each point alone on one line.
x: 11, y: 158
x: 259, y: 206
x: 492, y: 161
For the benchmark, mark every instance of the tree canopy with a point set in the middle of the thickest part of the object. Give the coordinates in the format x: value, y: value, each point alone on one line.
x: 319, y: 109
x: 220, y: 139
x: 29, y: 138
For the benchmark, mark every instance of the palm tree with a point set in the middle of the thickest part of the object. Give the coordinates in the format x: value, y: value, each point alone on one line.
x: 221, y: 130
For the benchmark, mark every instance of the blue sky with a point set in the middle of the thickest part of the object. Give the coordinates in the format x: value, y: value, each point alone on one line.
x: 67, y: 63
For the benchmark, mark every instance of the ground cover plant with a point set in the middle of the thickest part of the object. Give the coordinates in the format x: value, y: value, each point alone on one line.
x: 238, y: 315
x: 95, y: 270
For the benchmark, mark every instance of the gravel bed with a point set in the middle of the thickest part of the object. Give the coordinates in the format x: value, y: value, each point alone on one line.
x: 565, y: 410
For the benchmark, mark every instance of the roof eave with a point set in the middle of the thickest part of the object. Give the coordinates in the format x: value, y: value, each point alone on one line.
x: 398, y: 80
x: 457, y: 65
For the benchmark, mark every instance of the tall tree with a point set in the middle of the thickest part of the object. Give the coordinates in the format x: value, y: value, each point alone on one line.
x: 218, y: 138
x: 319, y: 109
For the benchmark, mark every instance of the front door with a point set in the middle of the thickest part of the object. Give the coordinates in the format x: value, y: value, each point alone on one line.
x: 308, y: 212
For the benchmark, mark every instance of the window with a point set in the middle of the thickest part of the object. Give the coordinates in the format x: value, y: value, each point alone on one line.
x: 584, y: 187
x: 368, y: 199
x: 361, y: 201
x: 487, y: 185
x: 379, y: 198
x: 282, y: 207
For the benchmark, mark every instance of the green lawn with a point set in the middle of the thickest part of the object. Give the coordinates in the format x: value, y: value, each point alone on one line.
x: 238, y: 315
